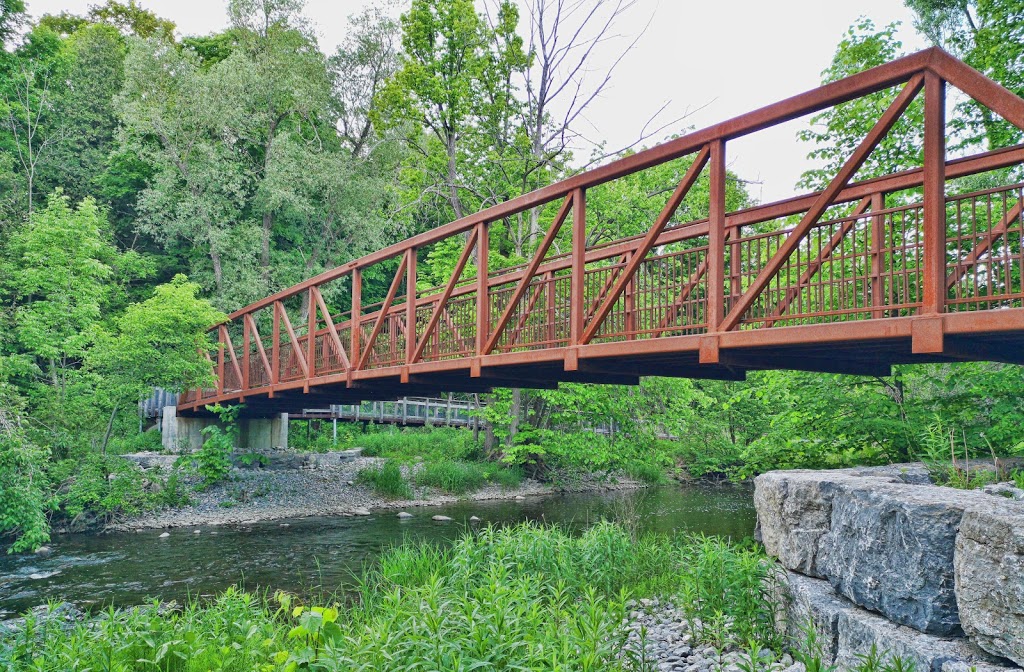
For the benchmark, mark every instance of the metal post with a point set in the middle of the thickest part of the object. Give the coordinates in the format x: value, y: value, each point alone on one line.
x: 579, y: 251
x: 275, y: 346
x: 716, y: 237
x: 934, y: 262
x: 410, y: 306
x: 483, y: 305
x: 877, y: 265
x: 357, y: 298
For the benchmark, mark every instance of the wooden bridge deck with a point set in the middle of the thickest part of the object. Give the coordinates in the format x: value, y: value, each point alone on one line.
x: 853, y: 279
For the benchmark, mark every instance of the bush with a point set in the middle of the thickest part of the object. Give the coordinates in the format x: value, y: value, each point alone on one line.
x: 24, y: 496
x: 213, y: 460
x: 386, y: 480
x: 105, y: 486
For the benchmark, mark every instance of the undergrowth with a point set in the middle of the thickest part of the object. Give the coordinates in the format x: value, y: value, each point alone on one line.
x: 525, y: 597
x: 387, y: 480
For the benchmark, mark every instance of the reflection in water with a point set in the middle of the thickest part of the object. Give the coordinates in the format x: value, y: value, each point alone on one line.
x: 324, y: 553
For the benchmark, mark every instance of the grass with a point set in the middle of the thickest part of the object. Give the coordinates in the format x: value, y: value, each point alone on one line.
x: 458, y: 477
x: 524, y: 597
x: 409, y: 445
x: 386, y: 480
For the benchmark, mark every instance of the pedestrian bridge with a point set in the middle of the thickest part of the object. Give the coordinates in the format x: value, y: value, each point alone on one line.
x: 915, y: 266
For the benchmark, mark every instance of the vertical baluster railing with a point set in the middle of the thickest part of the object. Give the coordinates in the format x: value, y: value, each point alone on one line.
x: 246, y: 358
x: 222, y: 346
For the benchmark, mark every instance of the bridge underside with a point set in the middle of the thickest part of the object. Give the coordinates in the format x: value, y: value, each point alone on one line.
x: 919, y: 265
x: 868, y: 348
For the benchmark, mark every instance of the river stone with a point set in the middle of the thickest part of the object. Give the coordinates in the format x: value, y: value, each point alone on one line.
x: 474, y: 519
x: 362, y: 512
x: 165, y: 535
x: 989, y: 570
x: 404, y: 515
x: 441, y: 519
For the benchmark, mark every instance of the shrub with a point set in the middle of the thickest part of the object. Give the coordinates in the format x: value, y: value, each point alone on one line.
x: 213, y: 460
x: 412, y: 445
x: 24, y: 495
x: 106, y: 486
x: 386, y: 480
x: 524, y: 597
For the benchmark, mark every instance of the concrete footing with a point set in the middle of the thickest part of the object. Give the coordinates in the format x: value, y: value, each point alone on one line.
x: 185, y: 434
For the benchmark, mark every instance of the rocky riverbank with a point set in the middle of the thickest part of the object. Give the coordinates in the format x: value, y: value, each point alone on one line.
x: 660, y: 635
x: 325, y: 489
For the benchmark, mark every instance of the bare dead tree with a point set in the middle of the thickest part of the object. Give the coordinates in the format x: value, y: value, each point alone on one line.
x: 26, y: 120
x: 560, y: 85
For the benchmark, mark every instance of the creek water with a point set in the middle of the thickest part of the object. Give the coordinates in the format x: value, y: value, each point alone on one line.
x: 325, y: 554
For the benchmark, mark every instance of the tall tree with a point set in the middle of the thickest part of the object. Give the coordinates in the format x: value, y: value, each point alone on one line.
x: 989, y: 36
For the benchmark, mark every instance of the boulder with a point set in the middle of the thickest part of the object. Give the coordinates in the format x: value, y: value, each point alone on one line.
x: 362, y: 512
x: 404, y: 515
x: 859, y: 630
x: 882, y: 543
x: 989, y: 572
x: 794, y: 513
x: 441, y: 519
x: 165, y: 535
x: 890, y: 549
x: 845, y: 631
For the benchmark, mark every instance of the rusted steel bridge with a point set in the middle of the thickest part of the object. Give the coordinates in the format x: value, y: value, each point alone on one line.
x: 909, y: 267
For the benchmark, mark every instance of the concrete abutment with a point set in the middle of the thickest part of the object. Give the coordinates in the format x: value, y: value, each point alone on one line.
x: 185, y: 433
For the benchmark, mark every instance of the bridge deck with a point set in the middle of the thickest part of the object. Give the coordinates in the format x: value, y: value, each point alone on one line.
x: 863, y: 275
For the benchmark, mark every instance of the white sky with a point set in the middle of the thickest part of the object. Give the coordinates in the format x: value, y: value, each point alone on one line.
x: 719, y: 58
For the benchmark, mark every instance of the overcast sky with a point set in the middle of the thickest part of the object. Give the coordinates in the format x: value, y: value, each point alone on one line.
x: 717, y: 59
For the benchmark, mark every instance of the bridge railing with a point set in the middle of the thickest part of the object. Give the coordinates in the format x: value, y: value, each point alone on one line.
x: 893, y: 246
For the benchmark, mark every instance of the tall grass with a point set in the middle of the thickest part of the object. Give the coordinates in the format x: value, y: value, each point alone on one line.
x: 387, y: 480
x: 458, y: 477
x: 525, y: 597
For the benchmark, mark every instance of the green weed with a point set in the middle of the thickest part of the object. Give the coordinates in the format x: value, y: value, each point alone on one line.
x: 386, y: 480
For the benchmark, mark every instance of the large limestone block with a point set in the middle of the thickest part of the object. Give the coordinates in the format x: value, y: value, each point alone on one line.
x: 890, y: 549
x: 811, y: 604
x: 989, y: 572
x: 845, y: 632
x: 794, y: 513
x: 860, y: 630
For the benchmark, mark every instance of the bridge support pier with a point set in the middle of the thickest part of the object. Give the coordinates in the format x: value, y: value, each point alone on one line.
x: 186, y: 434
x: 263, y: 433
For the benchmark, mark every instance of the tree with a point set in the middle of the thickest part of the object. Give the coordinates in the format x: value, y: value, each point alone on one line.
x: 437, y: 96
x: 62, y: 276
x: 838, y: 131
x: 162, y: 342
x: 989, y: 36
x: 23, y: 484
x: 12, y: 13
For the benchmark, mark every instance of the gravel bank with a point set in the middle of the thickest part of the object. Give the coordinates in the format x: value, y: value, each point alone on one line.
x: 668, y: 644
x: 253, y: 495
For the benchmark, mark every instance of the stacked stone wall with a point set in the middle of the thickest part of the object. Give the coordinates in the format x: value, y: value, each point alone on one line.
x: 881, y: 557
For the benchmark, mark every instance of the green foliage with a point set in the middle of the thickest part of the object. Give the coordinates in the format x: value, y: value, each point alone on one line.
x: 234, y: 633
x: 451, y: 476
x: 103, y: 485
x: 213, y: 460
x: 24, y: 495
x: 728, y: 590
x: 524, y: 597
x: 387, y: 480
x: 414, y: 445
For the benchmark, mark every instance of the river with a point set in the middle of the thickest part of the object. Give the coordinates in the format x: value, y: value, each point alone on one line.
x: 324, y: 554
